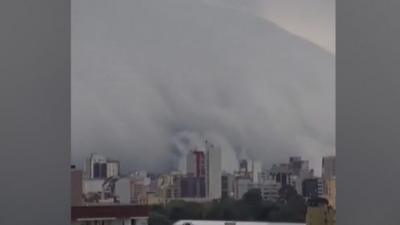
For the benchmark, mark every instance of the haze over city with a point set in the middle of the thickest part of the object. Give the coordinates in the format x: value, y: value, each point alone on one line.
x: 151, y: 79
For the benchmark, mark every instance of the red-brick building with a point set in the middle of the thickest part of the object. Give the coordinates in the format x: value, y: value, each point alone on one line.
x: 109, y: 215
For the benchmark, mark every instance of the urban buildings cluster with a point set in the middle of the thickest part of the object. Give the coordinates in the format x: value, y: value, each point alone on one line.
x: 101, y: 182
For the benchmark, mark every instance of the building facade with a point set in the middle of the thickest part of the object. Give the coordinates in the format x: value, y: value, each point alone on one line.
x: 192, y: 187
x: 98, y: 167
x: 313, y: 188
x: 320, y: 213
x: 330, y: 191
x: 76, y: 186
x: 227, y: 185
x: 112, y: 168
x: 115, y: 214
x: 242, y: 185
x: 329, y: 167
x: 196, y: 164
x: 213, y: 171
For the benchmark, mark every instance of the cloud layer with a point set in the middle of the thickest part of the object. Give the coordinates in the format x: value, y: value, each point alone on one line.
x: 313, y: 20
x: 148, y: 74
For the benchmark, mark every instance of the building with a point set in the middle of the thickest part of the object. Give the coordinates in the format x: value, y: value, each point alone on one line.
x: 297, y: 165
x: 297, y: 180
x: 250, y: 169
x: 154, y: 199
x: 76, y: 186
x: 292, y: 173
x: 122, y: 191
x: 242, y: 185
x: 169, y: 186
x: 281, y: 173
x: 269, y: 190
x: 140, y: 184
x: 193, y: 184
x: 227, y: 185
x: 329, y: 167
x: 330, y: 191
x: 256, y: 170
x: 192, y: 187
x: 98, y: 167
x: 95, y: 166
x: 213, y: 171
x: 195, y: 164
x: 113, y: 168
x: 329, y: 178
x: 320, y: 213
x: 313, y: 188
x: 93, y: 186
x: 110, y: 215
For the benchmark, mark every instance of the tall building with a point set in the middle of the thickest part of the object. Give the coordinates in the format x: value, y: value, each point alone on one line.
x: 330, y: 191
x: 320, y: 213
x: 140, y: 184
x: 95, y: 166
x: 297, y: 165
x: 242, y: 185
x: 98, y: 167
x: 169, y: 186
x: 112, y: 168
x: 76, y: 186
x: 195, y: 164
x: 313, y: 188
x: 227, y: 185
x: 328, y: 167
x: 192, y: 187
x: 250, y: 169
x: 243, y: 166
x: 269, y: 190
x: 123, y: 192
x: 292, y: 173
x: 256, y: 170
x: 281, y: 173
x: 329, y: 179
x: 213, y: 171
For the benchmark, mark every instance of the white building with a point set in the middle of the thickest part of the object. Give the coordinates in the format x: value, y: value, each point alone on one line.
x: 227, y: 185
x: 112, y: 168
x: 269, y: 190
x: 242, y: 185
x: 95, y: 166
x: 92, y: 186
x: 123, y: 190
x: 256, y: 171
x: 98, y: 167
x: 213, y: 171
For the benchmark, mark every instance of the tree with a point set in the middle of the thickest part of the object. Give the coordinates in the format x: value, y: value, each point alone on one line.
x: 252, y: 197
x: 158, y: 219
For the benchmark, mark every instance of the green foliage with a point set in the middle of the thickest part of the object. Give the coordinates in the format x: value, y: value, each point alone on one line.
x: 156, y: 218
x: 290, y: 208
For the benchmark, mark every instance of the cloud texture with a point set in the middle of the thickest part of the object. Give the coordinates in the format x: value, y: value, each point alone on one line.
x: 150, y: 77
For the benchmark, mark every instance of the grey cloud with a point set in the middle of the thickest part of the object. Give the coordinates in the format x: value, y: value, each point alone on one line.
x: 147, y: 73
x: 313, y: 20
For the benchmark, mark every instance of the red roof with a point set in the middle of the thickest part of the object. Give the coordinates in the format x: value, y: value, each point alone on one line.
x: 108, y: 211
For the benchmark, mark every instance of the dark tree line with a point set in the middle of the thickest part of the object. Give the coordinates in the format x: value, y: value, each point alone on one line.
x: 290, y: 207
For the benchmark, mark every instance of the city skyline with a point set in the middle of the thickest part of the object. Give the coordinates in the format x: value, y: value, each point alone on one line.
x: 203, y: 181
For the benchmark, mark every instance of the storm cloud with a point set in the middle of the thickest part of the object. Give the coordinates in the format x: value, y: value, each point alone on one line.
x: 154, y: 78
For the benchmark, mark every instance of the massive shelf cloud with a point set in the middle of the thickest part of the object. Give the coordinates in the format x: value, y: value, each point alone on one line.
x: 153, y: 78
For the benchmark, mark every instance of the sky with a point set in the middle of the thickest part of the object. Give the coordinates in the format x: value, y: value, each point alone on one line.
x: 313, y: 20
x: 152, y: 79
